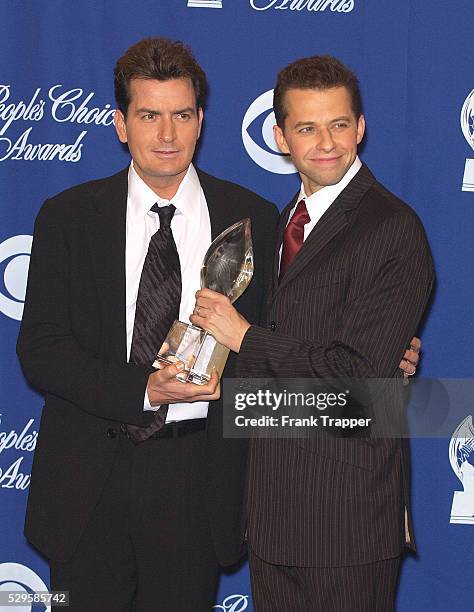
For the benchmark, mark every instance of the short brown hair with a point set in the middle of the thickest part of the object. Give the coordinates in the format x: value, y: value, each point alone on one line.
x: 161, y: 59
x: 317, y: 72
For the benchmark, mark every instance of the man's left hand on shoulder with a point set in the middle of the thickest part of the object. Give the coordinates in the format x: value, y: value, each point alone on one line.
x: 410, y: 359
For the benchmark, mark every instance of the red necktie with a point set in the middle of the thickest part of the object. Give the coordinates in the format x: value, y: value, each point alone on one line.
x: 293, y: 237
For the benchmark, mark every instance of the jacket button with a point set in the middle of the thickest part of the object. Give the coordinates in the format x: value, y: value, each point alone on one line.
x: 273, y: 326
x: 111, y: 433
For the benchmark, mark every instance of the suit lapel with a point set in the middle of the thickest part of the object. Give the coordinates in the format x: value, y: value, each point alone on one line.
x: 279, y: 239
x: 334, y: 220
x: 108, y: 238
x: 220, y: 215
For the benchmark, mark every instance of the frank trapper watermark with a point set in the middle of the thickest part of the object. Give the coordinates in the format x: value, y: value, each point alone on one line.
x: 279, y: 403
x: 344, y: 407
x: 291, y: 408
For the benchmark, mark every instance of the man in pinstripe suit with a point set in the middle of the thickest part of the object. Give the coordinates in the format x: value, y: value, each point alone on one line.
x: 328, y: 517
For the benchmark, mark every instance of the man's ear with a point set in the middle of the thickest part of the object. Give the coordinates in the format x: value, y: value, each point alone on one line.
x: 360, y: 129
x: 120, y: 126
x: 280, y: 140
x: 200, y: 118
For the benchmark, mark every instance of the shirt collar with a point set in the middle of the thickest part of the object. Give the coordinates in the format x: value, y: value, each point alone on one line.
x: 141, y: 197
x: 326, y: 196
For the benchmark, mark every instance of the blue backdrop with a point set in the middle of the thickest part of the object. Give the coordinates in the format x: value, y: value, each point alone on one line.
x: 414, y: 60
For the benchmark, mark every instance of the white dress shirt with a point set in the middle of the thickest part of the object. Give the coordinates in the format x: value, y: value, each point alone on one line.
x: 191, y: 227
x: 318, y: 202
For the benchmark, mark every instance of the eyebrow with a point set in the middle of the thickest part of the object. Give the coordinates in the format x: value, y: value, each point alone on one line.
x: 151, y: 111
x: 342, y: 118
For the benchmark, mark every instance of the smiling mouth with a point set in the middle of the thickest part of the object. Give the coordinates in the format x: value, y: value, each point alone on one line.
x: 325, y: 160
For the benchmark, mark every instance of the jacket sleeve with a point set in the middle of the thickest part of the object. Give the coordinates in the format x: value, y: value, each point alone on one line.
x: 390, y: 283
x: 52, y: 356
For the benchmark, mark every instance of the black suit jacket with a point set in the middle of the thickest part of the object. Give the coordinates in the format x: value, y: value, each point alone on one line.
x: 72, y: 346
x: 347, y: 307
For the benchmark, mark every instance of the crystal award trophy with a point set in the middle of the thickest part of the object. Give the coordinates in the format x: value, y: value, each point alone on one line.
x: 227, y: 268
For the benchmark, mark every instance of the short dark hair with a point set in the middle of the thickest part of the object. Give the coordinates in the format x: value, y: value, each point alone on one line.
x: 161, y: 59
x: 317, y: 72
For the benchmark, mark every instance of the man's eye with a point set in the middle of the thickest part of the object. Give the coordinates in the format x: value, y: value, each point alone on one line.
x: 340, y: 126
x: 148, y: 116
x: 306, y: 130
x: 183, y: 116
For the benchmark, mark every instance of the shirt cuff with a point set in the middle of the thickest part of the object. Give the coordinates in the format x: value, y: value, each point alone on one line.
x: 146, y: 404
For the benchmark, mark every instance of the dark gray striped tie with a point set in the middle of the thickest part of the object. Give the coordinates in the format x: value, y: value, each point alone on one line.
x: 159, y: 296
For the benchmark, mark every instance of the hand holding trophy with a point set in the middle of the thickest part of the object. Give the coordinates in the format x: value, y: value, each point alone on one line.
x: 227, y: 268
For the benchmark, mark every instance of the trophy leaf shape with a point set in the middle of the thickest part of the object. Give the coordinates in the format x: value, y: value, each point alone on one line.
x: 228, y: 264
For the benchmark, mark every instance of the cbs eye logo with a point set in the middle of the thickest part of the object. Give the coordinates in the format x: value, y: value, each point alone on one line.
x: 22, y: 579
x: 268, y: 158
x: 15, y: 260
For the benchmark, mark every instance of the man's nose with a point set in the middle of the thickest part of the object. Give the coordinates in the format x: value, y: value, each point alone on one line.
x: 325, y: 140
x: 166, y: 130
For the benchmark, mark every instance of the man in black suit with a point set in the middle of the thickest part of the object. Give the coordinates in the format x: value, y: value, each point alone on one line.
x: 328, y: 516
x: 135, y: 497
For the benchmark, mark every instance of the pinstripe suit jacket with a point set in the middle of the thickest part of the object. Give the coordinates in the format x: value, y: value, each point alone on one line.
x: 348, y: 305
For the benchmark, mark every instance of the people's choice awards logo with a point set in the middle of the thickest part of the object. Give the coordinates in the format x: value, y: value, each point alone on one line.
x: 461, y: 457
x: 62, y: 105
x: 12, y: 442
x: 467, y: 127
x: 336, y: 6
x: 233, y: 603
x: 16, y: 252
x: 22, y: 579
x: 205, y: 3
x: 269, y: 159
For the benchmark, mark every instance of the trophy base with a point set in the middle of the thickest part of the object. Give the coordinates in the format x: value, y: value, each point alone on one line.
x: 198, y: 350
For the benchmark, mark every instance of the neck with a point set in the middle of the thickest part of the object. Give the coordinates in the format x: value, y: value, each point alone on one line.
x: 165, y: 187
